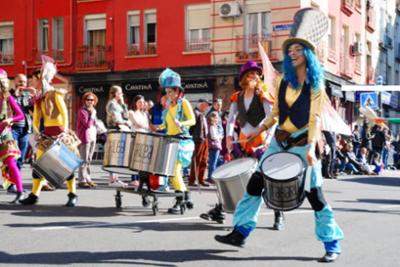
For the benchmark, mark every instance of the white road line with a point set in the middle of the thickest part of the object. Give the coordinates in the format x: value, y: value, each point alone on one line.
x: 389, y: 207
x: 51, y: 228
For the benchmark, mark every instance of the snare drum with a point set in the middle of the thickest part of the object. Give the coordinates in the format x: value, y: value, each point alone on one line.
x: 57, y: 164
x: 283, y: 181
x: 231, y: 181
x: 154, y: 153
x: 117, y: 151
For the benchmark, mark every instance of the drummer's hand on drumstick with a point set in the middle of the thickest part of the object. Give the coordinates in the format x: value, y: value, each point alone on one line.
x: 311, y: 155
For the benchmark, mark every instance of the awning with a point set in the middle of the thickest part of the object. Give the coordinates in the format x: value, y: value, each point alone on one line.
x: 336, y: 90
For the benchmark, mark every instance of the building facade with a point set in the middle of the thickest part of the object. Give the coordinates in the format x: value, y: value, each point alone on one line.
x: 98, y: 43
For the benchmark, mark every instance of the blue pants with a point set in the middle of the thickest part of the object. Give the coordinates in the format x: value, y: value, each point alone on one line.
x: 326, y: 229
x: 21, y: 136
x: 213, y: 156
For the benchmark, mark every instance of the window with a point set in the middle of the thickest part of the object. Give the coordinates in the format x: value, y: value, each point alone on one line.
x: 6, y: 42
x: 198, y: 27
x: 95, y: 30
x: 58, y: 38
x: 150, y: 31
x: 133, y: 33
x: 258, y: 29
x: 43, y: 36
x: 331, y: 33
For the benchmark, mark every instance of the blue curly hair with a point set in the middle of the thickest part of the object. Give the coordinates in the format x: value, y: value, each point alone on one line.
x: 315, y: 72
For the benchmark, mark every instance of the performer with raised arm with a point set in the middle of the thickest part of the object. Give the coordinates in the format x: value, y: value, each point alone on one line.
x: 297, y: 109
x: 51, y: 110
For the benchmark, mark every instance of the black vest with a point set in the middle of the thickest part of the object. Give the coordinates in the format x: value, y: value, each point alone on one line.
x: 299, y: 112
x: 254, y: 115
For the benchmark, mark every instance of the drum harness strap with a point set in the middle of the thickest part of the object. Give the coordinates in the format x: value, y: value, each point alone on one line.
x: 282, y: 137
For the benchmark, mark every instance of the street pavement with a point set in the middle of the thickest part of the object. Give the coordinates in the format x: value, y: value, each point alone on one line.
x: 97, y: 233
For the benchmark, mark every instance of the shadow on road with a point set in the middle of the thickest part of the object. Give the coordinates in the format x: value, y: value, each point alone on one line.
x: 156, y: 258
x: 59, y: 211
x: 375, y: 180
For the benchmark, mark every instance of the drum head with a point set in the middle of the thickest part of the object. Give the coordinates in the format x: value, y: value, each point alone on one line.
x: 282, y: 166
x: 234, y: 168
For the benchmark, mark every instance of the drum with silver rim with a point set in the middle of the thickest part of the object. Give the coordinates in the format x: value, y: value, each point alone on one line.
x: 231, y: 181
x: 57, y: 164
x: 117, y: 152
x: 283, y: 181
x: 154, y: 153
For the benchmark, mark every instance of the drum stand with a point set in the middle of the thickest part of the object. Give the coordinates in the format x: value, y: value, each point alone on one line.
x: 146, y: 194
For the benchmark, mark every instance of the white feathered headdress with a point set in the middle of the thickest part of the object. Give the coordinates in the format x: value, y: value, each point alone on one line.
x: 48, y: 72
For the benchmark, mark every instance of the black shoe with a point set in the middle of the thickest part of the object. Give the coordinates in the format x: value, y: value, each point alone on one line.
x: 19, y: 196
x: 72, y: 200
x: 235, y: 239
x: 188, y: 200
x: 279, y: 219
x: 216, y: 214
x: 12, y: 189
x: 30, y: 200
x: 178, y: 206
x: 329, y: 257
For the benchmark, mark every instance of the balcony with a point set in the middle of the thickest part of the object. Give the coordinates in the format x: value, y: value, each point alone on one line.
x: 133, y: 49
x: 348, y: 7
x: 150, y: 48
x: 370, y: 75
x: 247, y: 47
x: 371, y: 18
x: 6, y: 58
x: 93, y: 57
x: 56, y: 54
x: 346, y: 64
x: 197, y: 45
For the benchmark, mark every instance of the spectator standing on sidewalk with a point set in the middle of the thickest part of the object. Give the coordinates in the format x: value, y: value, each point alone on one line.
x: 87, y: 133
x: 199, y: 132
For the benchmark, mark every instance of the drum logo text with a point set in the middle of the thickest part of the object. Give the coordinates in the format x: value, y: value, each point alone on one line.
x: 142, y: 152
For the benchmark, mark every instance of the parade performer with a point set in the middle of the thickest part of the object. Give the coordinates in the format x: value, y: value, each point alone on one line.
x: 297, y: 109
x: 51, y: 111
x: 250, y: 105
x: 177, y: 119
x: 10, y: 112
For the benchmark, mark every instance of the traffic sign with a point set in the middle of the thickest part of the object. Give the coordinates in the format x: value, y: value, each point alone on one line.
x: 369, y: 99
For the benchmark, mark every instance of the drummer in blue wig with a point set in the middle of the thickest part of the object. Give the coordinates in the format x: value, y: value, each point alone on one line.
x: 297, y: 109
x: 177, y: 119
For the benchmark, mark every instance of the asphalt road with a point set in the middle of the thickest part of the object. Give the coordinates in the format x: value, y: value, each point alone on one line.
x: 97, y: 233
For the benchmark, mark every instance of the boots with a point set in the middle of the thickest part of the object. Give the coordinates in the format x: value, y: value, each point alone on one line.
x: 235, y: 238
x: 72, y: 200
x: 279, y: 219
x: 30, y: 200
x: 19, y: 196
x: 216, y: 214
x: 188, y: 200
x: 177, y: 207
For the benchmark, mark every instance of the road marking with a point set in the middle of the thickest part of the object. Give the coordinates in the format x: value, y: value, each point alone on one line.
x: 390, y: 206
x: 51, y: 228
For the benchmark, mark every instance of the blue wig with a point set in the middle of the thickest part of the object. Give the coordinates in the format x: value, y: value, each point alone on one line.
x: 315, y: 72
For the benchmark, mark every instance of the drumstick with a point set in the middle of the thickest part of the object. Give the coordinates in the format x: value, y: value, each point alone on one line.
x: 240, y: 141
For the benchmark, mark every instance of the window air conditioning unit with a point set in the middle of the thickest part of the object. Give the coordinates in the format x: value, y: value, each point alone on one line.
x: 230, y: 9
x: 357, y: 49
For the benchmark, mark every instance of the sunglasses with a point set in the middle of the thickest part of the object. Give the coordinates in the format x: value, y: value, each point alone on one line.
x: 89, y: 99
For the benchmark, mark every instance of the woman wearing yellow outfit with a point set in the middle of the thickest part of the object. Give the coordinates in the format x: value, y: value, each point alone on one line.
x: 50, y: 111
x: 177, y: 120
